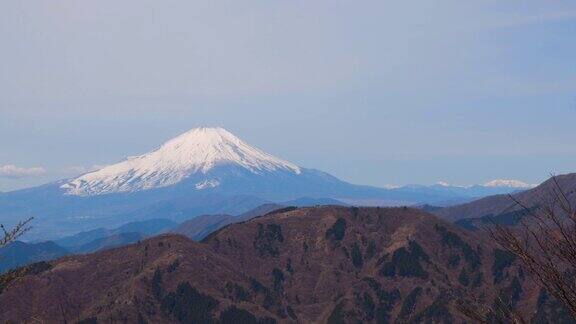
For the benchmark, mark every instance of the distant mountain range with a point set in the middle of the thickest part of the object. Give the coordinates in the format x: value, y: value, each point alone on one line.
x: 503, y: 209
x: 97, y: 239
x: 22, y: 253
x: 499, y: 204
x: 203, y: 171
x: 309, y: 265
x: 456, y: 194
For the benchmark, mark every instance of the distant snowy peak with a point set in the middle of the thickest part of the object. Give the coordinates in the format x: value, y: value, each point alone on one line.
x: 445, y: 184
x: 196, y: 151
x: 498, y: 183
x: 509, y: 184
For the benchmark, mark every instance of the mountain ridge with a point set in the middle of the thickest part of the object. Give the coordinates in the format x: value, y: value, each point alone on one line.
x: 329, y: 264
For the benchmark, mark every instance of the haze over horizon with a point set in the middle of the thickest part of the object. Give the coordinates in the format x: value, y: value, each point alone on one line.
x: 375, y: 93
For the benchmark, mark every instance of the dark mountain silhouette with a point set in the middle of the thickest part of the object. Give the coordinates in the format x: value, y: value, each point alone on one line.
x: 199, y: 227
x: 109, y: 242
x: 259, y: 211
x: 324, y: 265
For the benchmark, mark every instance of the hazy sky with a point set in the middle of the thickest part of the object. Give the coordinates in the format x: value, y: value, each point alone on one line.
x: 375, y: 92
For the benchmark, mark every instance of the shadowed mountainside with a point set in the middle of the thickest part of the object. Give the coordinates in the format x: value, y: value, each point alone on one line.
x: 327, y: 265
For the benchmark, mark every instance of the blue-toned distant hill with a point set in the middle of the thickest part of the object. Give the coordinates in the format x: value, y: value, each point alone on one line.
x: 90, y: 241
x: 110, y: 242
x: 204, y: 171
x: 22, y: 253
x: 19, y: 253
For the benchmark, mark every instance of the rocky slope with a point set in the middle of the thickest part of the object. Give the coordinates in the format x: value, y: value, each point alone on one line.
x: 323, y: 265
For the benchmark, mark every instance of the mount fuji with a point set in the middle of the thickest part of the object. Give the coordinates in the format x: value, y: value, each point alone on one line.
x: 206, y: 161
x: 203, y: 171
x: 197, y: 156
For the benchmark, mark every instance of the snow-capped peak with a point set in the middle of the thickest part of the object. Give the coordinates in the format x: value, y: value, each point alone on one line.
x: 196, y: 151
x: 498, y: 183
x: 509, y: 184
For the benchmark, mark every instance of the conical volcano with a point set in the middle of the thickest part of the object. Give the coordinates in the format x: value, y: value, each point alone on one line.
x: 194, y: 153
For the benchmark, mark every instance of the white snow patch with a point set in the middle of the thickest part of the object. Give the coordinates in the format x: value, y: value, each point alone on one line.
x: 207, y: 184
x: 509, y: 184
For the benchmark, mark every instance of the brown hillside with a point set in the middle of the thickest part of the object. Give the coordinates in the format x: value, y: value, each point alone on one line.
x: 329, y: 264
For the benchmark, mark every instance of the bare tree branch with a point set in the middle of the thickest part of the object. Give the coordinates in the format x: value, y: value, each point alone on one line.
x: 545, y: 242
x: 7, y: 236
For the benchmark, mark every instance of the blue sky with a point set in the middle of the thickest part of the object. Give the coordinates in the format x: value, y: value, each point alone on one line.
x: 374, y: 92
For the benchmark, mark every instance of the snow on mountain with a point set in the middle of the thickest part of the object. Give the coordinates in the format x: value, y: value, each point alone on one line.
x: 196, y: 151
x: 509, y: 184
x: 461, y: 193
x: 447, y: 185
x: 498, y: 183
